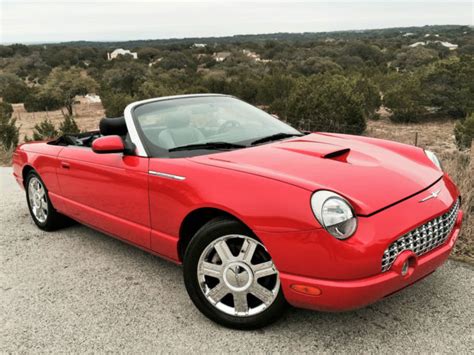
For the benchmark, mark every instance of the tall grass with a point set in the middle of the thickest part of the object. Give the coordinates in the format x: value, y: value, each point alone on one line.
x: 460, y: 166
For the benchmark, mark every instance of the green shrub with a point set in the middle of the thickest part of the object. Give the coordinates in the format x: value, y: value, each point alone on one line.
x: 115, y: 103
x: 12, y: 88
x: 6, y: 109
x: 9, y: 132
x: 44, y: 130
x: 326, y: 103
x: 464, y: 132
x: 68, y: 126
x: 41, y: 101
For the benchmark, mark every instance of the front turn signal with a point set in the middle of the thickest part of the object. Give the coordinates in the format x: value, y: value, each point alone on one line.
x: 307, y: 290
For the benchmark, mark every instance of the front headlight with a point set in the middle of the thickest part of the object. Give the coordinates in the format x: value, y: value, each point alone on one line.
x: 434, y: 159
x: 334, y: 213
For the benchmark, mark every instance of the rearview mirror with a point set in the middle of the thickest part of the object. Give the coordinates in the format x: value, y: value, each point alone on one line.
x: 108, y: 144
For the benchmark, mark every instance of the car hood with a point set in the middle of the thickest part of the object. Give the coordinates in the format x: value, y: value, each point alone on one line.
x: 371, y: 173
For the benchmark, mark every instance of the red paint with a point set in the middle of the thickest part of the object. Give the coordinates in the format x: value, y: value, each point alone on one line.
x: 108, y: 144
x: 268, y: 188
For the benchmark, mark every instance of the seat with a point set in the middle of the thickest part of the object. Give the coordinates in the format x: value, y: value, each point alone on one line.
x: 178, y: 132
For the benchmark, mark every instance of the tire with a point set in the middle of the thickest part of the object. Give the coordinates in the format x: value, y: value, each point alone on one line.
x: 236, y: 286
x: 38, y: 200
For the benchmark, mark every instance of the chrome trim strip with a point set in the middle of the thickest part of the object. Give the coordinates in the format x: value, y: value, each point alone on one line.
x: 132, y: 130
x: 165, y: 175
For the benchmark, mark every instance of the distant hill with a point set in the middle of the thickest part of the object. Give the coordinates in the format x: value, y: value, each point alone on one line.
x: 446, y: 30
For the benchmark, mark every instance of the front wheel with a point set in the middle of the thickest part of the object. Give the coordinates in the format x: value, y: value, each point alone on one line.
x: 231, y: 278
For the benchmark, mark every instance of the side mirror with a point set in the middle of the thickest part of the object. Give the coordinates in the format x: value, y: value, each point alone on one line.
x: 108, y: 144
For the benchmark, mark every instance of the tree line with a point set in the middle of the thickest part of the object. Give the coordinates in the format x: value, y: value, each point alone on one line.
x: 327, y: 81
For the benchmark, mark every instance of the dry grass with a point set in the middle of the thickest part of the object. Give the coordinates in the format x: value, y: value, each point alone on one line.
x: 438, y: 137
x: 87, y: 116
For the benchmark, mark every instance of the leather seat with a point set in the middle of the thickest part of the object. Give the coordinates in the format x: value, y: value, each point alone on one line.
x: 178, y: 132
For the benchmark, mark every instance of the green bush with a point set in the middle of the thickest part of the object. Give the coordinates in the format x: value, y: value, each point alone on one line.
x: 68, y: 125
x: 44, y: 130
x: 405, y: 99
x: 13, y: 89
x: 326, y: 103
x: 115, y: 103
x: 9, y: 132
x: 41, y: 101
x: 464, y: 132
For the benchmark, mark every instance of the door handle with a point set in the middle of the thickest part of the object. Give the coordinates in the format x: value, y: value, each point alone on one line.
x: 65, y: 165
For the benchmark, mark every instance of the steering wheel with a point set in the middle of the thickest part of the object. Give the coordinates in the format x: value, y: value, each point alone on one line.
x: 228, y: 125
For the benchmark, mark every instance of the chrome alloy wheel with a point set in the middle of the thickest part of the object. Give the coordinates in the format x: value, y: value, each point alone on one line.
x: 38, y: 199
x: 237, y: 276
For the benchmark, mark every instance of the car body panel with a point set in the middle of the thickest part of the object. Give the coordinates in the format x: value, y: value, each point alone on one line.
x: 360, y: 256
x: 379, y: 176
x: 110, y: 191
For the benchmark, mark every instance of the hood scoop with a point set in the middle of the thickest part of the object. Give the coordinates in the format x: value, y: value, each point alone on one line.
x: 317, y: 149
x: 339, y: 155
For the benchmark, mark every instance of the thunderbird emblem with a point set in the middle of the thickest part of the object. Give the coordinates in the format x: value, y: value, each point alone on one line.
x: 434, y: 194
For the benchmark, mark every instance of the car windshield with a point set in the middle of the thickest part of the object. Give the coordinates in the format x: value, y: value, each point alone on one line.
x: 204, y: 124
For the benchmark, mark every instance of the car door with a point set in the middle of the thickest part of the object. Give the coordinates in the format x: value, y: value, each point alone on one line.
x: 106, y: 191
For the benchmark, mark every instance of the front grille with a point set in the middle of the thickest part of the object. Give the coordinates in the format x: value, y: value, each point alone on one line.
x: 423, y: 238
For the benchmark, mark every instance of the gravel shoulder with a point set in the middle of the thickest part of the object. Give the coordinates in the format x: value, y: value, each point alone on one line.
x: 77, y: 290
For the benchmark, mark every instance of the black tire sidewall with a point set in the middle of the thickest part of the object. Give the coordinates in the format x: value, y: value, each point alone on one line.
x: 208, y: 233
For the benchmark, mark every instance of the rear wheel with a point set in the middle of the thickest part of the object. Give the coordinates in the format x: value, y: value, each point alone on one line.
x: 231, y: 277
x: 42, y: 211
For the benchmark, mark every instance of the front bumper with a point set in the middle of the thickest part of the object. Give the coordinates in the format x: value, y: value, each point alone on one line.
x: 346, y: 295
x: 348, y: 274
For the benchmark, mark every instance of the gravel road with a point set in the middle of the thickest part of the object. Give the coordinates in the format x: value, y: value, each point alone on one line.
x: 77, y: 290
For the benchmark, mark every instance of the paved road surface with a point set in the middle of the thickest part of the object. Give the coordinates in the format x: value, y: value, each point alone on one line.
x: 78, y: 290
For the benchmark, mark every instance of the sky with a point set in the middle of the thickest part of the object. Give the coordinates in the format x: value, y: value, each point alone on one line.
x: 37, y: 21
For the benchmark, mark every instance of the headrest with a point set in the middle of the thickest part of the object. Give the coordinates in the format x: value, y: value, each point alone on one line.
x: 177, y: 120
x: 113, y: 126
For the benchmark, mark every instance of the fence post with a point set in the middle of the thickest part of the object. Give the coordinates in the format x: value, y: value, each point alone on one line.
x: 416, y: 139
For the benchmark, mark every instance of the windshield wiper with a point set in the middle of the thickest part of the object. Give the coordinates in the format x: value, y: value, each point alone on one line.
x: 208, y: 145
x: 275, y: 137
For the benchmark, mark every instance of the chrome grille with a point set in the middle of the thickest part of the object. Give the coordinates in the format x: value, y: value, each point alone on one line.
x: 423, y: 238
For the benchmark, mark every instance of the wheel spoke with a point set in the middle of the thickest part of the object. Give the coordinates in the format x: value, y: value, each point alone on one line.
x: 247, y: 250
x: 264, y: 269
x: 218, y: 292
x: 264, y: 295
x: 240, y: 302
x: 210, y: 269
x: 223, y: 251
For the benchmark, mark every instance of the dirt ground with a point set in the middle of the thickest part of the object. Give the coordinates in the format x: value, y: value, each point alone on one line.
x: 87, y: 116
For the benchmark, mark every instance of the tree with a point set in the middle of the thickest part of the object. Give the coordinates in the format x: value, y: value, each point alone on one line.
x: 40, y: 100
x: 406, y: 100
x: 369, y: 96
x: 12, y: 88
x: 126, y: 77
x: 9, y: 132
x: 326, y: 103
x: 64, y: 85
x: 464, y: 132
x: 115, y: 103
x: 449, y: 86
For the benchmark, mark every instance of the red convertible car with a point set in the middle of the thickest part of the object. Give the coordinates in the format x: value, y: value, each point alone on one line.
x: 259, y: 214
